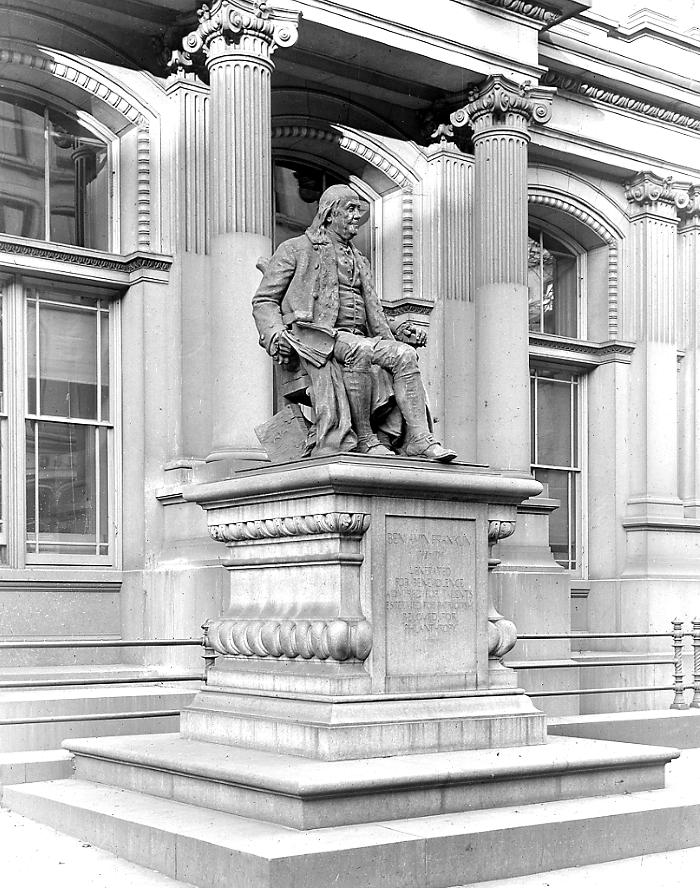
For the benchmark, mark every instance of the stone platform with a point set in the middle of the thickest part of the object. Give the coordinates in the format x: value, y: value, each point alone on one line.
x: 305, y: 795
x: 213, y: 849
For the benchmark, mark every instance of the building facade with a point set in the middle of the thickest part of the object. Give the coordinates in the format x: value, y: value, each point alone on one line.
x: 531, y: 175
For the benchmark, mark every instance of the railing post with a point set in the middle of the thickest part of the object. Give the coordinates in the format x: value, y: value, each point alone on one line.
x: 695, y: 703
x: 678, y: 701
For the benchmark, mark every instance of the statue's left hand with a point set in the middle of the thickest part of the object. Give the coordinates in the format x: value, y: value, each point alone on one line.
x: 408, y: 332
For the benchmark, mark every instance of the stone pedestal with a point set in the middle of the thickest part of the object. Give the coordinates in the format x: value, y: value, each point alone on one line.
x: 359, y: 622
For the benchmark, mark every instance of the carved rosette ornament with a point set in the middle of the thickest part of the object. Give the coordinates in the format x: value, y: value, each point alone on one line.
x: 338, y: 640
x: 248, y: 28
x: 343, y: 523
x: 499, y: 102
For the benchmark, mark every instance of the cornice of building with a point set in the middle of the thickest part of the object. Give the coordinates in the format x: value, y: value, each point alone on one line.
x: 545, y: 14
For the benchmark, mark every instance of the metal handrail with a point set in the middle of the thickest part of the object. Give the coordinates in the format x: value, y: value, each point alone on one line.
x: 89, y: 716
x: 77, y: 682
x: 116, y: 643
x: 678, y: 687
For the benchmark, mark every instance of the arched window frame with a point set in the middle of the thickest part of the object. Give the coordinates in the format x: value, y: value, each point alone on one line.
x: 101, y: 131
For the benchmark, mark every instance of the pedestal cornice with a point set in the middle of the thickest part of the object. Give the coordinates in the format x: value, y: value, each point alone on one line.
x: 364, y: 475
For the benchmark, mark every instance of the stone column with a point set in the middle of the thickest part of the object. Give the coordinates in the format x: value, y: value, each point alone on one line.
x: 689, y: 330
x: 500, y: 113
x: 651, y: 324
x: 237, y: 38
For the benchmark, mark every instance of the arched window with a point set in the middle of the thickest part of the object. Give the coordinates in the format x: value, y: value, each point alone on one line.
x: 54, y: 175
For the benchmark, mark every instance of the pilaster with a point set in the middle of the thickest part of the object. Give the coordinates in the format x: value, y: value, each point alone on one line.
x: 451, y: 183
x: 651, y: 324
x: 500, y: 113
x: 236, y: 40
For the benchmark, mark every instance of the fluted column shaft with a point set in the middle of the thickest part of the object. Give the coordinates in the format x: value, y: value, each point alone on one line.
x: 237, y: 39
x: 651, y: 324
x: 500, y: 113
x: 689, y: 326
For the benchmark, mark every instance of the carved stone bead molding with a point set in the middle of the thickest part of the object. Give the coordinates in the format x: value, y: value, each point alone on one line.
x: 309, y: 639
x: 530, y: 10
x: 499, y: 530
x: 240, y: 25
x: 618, y: 100
x: 503, y: 103
x: 651, y: 192
x: 344, y: 523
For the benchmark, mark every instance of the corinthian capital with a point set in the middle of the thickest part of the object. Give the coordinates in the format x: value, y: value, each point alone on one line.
x: 499, y: 102
x: 648, y: 192
x: 241, y: 27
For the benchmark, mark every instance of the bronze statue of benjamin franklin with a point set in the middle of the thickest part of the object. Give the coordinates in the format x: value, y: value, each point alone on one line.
x: 316, y: 304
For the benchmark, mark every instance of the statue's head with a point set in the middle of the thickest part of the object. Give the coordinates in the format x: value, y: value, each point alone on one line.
x: 340, y: 211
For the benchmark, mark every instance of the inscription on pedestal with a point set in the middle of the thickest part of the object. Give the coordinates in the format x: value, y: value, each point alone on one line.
x: 430, y: 572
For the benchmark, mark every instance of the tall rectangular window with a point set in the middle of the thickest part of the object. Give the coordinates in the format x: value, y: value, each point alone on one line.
x: 58, y: 438
x: 555, y: 456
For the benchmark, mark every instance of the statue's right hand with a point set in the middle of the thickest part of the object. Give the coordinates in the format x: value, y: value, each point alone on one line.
x: 284, y: 348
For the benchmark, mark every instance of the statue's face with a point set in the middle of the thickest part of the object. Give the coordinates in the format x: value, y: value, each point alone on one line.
x: 345, y: 218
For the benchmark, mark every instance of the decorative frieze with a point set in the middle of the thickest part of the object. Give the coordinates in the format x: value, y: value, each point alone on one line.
x: 533, y: 11
x: 339, y: 639
x: 126, y: 265
x: 343, y: 523
x: 618, y: 100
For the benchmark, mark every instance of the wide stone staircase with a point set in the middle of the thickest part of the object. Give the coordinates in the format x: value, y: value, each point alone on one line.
x: 595, y: 801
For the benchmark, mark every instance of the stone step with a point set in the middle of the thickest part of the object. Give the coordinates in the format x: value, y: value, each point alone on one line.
x: 670, y: 727
x: 307, y: 794
x: 34, y: 766
x: 212, y: 849
x: 80, y: 703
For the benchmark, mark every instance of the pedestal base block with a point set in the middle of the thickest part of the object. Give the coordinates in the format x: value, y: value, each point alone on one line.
x: 333, y: 729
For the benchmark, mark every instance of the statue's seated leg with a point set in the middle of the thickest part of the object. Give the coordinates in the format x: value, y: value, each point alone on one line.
x: 354, y: 353
x: 401, y: 360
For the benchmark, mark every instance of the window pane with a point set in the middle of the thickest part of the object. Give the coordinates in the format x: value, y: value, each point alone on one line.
x: 552, y: 287
x: 561, y: 486
x: 22, y: 168
x: 104, y: 365
x: 553, y: 422
x: 67, y: 359
x: 61, y: 488
x: 43, y: 149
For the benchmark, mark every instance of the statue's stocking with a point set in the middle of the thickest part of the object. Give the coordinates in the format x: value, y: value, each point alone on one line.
x: 410, y: 397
